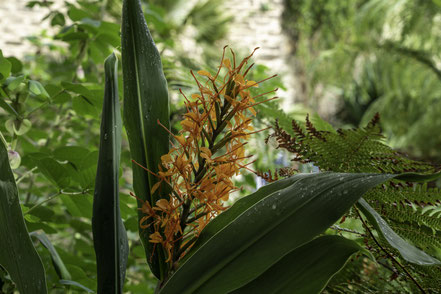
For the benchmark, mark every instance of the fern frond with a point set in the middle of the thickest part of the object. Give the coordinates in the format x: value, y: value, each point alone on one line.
x: 413, y: 211
x: 354, y: 150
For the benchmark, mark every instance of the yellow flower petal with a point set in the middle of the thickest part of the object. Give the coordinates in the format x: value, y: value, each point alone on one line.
x: 181, y: 139
x: 155, y: 237
x: 155, y: 187
x: 252, y: 84
x: 205, y: 73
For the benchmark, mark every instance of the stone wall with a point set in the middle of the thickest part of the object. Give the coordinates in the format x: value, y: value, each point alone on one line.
x: 18, y: 22
x: 257, y: 23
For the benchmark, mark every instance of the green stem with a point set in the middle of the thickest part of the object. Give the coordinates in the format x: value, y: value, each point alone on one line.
x: 25, y: 175
x: 61, y: 192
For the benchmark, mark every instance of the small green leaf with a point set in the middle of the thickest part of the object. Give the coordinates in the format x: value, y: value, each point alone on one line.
x: 58, y: 20
x: 17, y: 66
x: 9, y: 125
x: 14, y: 82
x: 24, y: 126
x: 5, y: 67
x: 76, y: 14
x: 37, y: 89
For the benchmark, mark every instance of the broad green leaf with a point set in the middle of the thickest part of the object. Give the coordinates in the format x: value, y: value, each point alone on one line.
x: 17, y: 253
x: 238, y: 208
x: 73, y: 154
x: 145, y: 103
x: 54, y: 171
x: 5, y: 67
x: 267, y: 230
x: 78, y: 89
x: 305, y: 270
x: 87, y: 101
x: 407, y: 251
x: 84, y: 106
x: 37, y: 89
x: 59, y: 266
x: 78, y: 205
x: 109, y: 235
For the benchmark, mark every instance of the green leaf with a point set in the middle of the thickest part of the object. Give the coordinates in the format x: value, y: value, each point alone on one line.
x: 6, y: 106
x: 237, y: 209
x: 109, y: 235
x: 407, y: 251
x: 86, y: 102
x: 73, y: 154
x: 76, y: 14
x: 72, y: 36
x: 266, y: 230
x: 24, y: 126
x: 17, y: 66
x: 14, y: 82
x: 5, y: 67
x: 37, y: 89
x: 322, y: 125
x: 307, y: 269
x: 59, y: 266
x: 414, y: 177
x: 17, y: 253
x: 54, y: 171
x: 145, y: 103
x: 78, y: 205
x: 58, y: 19
x: 76, y: 284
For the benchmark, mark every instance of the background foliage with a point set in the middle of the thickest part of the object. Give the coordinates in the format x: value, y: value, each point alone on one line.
x: 369, y: 55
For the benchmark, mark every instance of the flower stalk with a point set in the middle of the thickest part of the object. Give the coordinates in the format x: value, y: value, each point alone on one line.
x: 205, y: 155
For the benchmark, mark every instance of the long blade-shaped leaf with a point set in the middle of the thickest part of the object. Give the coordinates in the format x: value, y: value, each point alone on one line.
x: 145, y: 102
x: 17, y: 253
x: 269, y: 229
x: 109, y: 234
x: 58, y: 263
x: 407, y: 250
x: 238, y: 208
x: 305, y: 270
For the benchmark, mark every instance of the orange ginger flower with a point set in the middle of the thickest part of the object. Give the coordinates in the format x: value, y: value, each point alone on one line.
x: 208, y: 152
